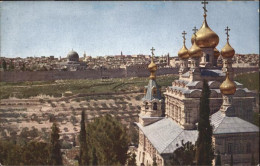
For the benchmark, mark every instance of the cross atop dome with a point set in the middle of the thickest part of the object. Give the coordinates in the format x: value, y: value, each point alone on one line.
x: 227, y: 29
x: 183, y: 35
x: 152, y: 51
x: 204, y: 2
x: 194, y: 30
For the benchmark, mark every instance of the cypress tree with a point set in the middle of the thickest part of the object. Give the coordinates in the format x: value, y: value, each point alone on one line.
x: 204, y: 150
x: 82, y: 140
x: 55, y: 152
x: 218, y: 160
x: 94, y: 157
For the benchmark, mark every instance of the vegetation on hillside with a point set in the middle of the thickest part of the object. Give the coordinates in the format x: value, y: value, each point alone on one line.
x: 57, y: 88
x: 249, y: 80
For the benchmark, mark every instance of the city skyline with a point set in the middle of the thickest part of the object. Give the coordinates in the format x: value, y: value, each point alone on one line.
x: 107, y: 28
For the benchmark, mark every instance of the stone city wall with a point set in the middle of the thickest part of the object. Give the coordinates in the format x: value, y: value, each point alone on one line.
x: 16, y: 76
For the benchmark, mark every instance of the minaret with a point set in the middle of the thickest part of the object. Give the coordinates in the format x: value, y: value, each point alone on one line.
x: 151, y: 109
x: 184, y: 56
x: 228, y: 89
x: 228, y: 53
x: 195, y: 54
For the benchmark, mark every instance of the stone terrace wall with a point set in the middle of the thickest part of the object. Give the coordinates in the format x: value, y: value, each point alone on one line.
x: 13, y: 76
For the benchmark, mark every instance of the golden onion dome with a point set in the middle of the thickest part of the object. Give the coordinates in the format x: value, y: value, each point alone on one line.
x: 228, y: 87
x: 205, y: 37
x: 183, y: 53
x: 152, y: 67
x: 195, y: 51
x: 227, y: 51
x: 216, y: 52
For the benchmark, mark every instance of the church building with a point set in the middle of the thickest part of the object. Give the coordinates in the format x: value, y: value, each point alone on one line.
x: 165, y: 125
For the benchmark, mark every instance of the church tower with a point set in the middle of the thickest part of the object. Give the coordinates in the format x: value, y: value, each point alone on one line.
x: 152, y: 105
x: 184, y: 56
x: 228, y: 53
x: 195, y: 53
x: 207, y: 40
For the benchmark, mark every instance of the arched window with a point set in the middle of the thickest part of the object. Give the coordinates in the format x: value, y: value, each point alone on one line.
x: 207, y: 58
x: 154, y: 106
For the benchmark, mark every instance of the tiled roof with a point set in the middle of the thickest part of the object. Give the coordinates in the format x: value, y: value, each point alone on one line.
x: 224, y: 124
x: 166, y: 135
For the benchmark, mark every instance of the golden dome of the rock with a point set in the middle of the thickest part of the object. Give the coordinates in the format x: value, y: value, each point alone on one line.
x: 183, y: 53
x: 228, y: 87
x: 216, y: 52
x: 195, y: 51
x: 206, y: 37
x: 227, y: 51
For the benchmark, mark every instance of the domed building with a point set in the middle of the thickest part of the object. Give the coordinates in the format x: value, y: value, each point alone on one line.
x: 72, y: 63
x: 162, y: 131
x: 73, y: 56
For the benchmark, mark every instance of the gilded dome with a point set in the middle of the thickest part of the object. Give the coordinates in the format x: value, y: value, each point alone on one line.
x: 228, y: 87
x: 206, y: 37
x: 227, y: 51
x: 195, y: 51
x: 152, y: 66
x: 183, y: 53
x: 216, y: 52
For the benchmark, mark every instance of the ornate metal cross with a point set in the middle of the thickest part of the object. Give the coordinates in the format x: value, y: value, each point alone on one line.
x: 204, y: 2
x: 183, y: 35
x: 152, y: 51
x: 227, y: 29
x: 194, y: 30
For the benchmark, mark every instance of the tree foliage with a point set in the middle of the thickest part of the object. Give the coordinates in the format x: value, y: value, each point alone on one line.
x: 184, y: 155
x: 108, y: 141
x: 132, y: 160
x: 33, y: 153
x: 55, y: 152
x: 204, y: 150
x: 83, y: 158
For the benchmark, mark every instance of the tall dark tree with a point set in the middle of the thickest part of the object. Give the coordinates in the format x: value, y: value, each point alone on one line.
x: 94, y: 157
x: 4, y: 65
x: 218, y: 160
x: 55, y: 152
x: 82, y: 139
x: 204, y: 150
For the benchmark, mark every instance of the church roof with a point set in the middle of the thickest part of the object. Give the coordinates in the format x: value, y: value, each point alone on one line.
x: 223, y: 124
x: 149, y: 91
x: 212, y: 72
x: 166, y: 135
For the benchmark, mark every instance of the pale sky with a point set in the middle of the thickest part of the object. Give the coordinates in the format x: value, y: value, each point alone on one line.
x: 45, y: 28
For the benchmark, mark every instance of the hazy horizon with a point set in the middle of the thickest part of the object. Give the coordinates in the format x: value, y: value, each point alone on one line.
x: 44, y: 28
